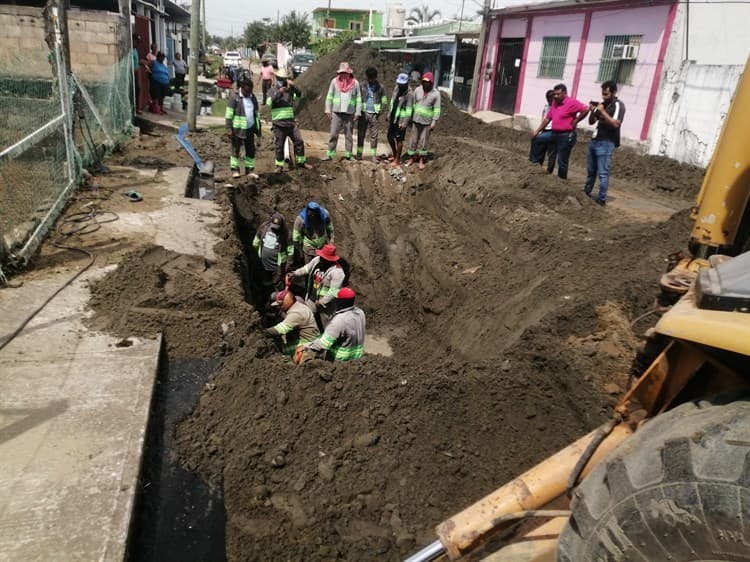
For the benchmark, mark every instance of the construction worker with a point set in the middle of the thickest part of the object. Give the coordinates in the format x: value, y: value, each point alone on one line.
x: 399, y: 115
x: 271, y: 242
x: 425, y: 116
x: 344, y: 337
x: 281, y: 98
x: 343, y: 108
x: 298, y: 326
x: 373, y: 100
x: 312, y: 230
x: 243, y: 125
x: 324, y: 278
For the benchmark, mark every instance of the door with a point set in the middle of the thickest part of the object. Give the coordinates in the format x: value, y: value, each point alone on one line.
x: 142, y: 28
x: 507, y: 76
x: 466, y: 56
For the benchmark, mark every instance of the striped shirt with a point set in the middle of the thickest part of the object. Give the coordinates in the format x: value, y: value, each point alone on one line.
x: 603, y: 130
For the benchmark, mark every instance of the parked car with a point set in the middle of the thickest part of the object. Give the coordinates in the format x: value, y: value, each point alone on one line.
x: 232, y: 58
x: 300, y: 63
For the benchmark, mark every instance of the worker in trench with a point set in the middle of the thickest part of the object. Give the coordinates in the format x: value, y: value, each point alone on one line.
x: 273, y: 247
x: 325, y: 276
x: 344, y: 336
x: 312, y: 229
x: 424, y: 118
x: 281, y: 98
x: 297, y: 327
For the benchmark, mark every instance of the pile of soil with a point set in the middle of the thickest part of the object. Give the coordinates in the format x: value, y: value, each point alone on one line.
x: 196, y: 303
x: 506, y: 296
x: 507, y: 299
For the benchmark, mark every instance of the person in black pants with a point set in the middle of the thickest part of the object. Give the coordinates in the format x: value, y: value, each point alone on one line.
x: 243, y: 124
x: 543, y: 144
x: 564, y: 115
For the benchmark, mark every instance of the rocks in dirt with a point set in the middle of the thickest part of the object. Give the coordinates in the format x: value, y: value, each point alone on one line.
x: 327, y: 468
x: 366, y: 439
x: 278, y: 461
x: 612, y: 388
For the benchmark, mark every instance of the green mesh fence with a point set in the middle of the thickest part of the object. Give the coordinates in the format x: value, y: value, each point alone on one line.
x: 106, y: 112
x: 35, y: 172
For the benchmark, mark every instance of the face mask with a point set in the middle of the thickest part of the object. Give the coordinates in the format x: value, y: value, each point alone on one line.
x: 402, y: 88
x: 426, y: 86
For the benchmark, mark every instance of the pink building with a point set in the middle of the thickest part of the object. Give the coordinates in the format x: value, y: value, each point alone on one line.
x: 581, y: 43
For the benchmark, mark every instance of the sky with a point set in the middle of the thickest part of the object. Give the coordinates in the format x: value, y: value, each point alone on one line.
x: 227, y: 17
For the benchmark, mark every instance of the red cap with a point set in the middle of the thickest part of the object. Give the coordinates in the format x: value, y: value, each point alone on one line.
x: 428, y: 77
x: 328, y: 253
x: 345, y: 293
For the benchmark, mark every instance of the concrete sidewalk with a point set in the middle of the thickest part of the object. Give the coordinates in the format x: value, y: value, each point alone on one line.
x: 73, y: 413
x: 74, y: 404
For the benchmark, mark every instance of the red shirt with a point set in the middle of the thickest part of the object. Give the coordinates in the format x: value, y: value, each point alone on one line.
x: 563, y: 114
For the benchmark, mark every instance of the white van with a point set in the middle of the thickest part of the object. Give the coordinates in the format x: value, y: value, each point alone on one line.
x: 232, y: 58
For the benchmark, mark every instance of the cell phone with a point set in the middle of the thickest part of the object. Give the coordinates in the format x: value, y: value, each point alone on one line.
x: 593, y: 102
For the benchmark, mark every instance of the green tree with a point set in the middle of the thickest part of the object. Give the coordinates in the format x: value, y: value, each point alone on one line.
x: 255, y: 35
x: 423, y: 14
x: 295, y: 29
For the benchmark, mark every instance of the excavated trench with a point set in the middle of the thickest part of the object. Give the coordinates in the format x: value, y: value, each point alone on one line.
x: 502, y: 333
x: 504, y: 298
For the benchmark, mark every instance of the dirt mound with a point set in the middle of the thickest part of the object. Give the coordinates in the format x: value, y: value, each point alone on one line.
x: 507, y: 300
x: 314, y: 83
x: 196, y: 303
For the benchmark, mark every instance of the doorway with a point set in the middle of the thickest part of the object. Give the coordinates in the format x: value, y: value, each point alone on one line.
x: 507, y: 76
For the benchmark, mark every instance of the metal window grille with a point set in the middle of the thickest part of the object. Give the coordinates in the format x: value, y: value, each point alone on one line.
x: 554, y: 55
x: 614, y: 68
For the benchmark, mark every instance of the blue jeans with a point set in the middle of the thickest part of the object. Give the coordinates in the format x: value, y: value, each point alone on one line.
x: 597, y: 163
x: 564, y: 142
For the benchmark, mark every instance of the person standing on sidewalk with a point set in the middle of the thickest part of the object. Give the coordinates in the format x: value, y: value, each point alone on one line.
x: 425, y: 116
x: 343, y: 108
x: 281, y: 98
x: 243, y: 125
x: 180, y: 70
x: 373, y: 100
x: 565, y: 114
x: 159, y: 84
x: 607, y: 117
x: 266, y: 78
x: 399, y: 117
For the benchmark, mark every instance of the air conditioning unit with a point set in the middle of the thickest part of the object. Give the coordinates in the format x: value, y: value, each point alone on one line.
x: 625, y: 52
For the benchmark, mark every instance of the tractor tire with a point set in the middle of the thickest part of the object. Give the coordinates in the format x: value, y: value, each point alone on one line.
x: 677, y: 490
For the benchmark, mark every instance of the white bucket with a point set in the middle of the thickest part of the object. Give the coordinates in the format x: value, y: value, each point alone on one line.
x: 177, y: 102
x: 167, y: 103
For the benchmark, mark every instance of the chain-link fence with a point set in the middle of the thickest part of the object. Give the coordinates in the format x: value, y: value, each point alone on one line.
x: 52, y: 125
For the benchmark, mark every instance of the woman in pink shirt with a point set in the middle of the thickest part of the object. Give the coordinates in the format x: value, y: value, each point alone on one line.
x: 564, y: 115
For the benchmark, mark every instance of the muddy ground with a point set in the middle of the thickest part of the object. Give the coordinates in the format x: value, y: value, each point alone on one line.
x: 506, y: 297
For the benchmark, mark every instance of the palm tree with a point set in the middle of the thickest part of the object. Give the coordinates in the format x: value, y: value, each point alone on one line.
x: 424, y: 14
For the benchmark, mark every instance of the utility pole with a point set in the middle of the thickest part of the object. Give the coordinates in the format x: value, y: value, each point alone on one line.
x: 478, y: 70
x: 203, y: 25
x: 195, y: 21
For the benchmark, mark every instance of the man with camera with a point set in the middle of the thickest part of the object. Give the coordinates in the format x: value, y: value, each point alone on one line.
x: 607, y: 116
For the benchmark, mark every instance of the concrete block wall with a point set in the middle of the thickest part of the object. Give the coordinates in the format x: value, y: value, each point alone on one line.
x: 23, y: 51
x: 95, y: 42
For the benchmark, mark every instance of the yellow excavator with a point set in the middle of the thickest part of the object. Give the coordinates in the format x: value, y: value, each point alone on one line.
x: 668, y: 477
